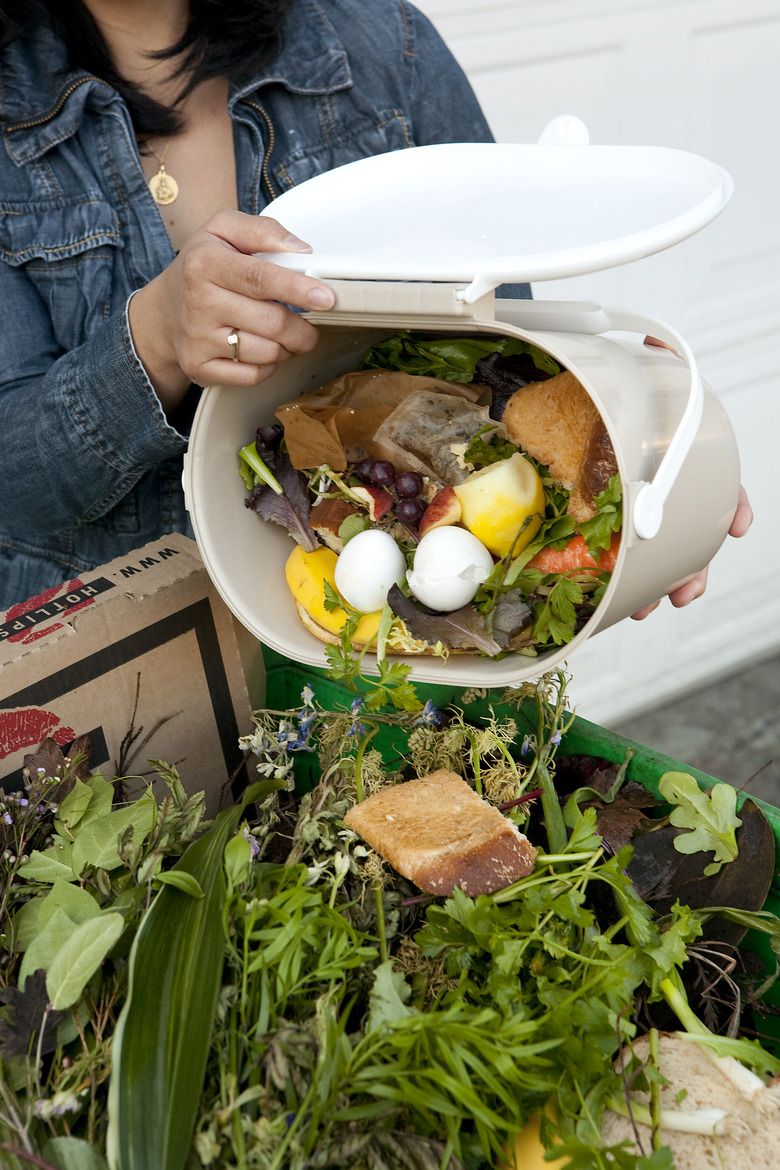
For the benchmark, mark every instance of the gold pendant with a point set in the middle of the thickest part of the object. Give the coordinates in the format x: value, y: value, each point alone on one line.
x: 163, y: 187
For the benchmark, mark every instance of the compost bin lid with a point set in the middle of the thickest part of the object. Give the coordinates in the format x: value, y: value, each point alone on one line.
x: 492, y: 213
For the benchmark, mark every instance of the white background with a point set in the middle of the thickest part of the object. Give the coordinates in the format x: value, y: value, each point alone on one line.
x: 702, y: 76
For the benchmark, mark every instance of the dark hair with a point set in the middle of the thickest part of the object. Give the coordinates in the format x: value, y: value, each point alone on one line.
x: 223, y: 38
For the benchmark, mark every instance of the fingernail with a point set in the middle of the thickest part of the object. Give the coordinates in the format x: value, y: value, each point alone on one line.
x: 322, y: 298
x: 292, y: 244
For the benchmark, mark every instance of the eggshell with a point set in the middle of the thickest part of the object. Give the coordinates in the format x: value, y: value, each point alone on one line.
x: 449, y: 566
x: 370, y: 563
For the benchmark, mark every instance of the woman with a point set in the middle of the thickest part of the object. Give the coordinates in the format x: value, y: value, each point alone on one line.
x: 140, y: 140
x: 234, y: 101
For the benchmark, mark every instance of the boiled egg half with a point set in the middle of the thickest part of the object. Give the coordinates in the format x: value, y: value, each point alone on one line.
x: 449, y: 566
x: 369, y: 564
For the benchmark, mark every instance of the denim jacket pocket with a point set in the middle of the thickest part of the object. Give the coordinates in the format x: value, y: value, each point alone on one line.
x: 350, y: 137
x: 68, y: 250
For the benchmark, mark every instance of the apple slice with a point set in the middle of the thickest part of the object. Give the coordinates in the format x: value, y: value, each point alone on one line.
x: 376, y: 499
x: 443, y: 509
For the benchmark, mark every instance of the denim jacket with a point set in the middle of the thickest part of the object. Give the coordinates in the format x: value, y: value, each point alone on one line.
x: 90, y: 466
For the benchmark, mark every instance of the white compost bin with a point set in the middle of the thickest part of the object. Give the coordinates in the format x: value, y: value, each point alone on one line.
x: 418, y: 240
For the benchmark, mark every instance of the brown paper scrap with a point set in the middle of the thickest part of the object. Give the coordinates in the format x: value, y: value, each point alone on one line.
x: 337, y: 424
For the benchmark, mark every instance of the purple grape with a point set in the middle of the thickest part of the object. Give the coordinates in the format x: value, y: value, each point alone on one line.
x: 410, y: 511
x: 363, y: 469
x: 408, y: 484
x: 382, y: 474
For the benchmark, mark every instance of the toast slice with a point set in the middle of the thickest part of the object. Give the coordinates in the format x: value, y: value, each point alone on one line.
x: 437, y: 832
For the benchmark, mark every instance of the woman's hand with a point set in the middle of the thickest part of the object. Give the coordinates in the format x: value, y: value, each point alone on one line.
x: 182, y: 319
x: 694, y: 587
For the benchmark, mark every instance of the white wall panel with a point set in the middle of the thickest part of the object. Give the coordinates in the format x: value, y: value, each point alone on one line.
x: 735, y: 111
x: 699, y: 75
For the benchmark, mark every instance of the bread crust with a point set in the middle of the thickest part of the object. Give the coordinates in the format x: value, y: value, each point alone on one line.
x: 557, y: 422
x: 437, y: 832
x: 326, y: 518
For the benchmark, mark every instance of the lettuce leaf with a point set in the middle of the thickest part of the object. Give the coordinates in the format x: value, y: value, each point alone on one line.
x: 463, y: 629
x: 289, y: 510
x: 454, y: 359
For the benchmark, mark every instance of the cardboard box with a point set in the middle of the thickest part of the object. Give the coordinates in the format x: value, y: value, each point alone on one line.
x: 142, y: 654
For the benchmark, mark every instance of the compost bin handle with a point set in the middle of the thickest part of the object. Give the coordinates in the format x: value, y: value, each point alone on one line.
x: 588, y: 317
x: 651, y: 497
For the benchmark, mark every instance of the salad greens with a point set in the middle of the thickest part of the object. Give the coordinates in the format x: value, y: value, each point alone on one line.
x: 454, y: 359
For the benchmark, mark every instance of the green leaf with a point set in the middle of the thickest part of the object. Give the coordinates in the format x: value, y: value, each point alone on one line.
x: 481, y: 452
x: 97, y: 843
x: 597, y: 532
x: 354, y: 523
x: 452, y: 358
x: 74, y: 806
x: 246, y: 473
x: 182, y: 881
x: 262, y: 473
x: 394, y: 687
x: 27, y: 924
x: 388, y: 998
x: 56, y: 862
x: 102, y: 799
x: 78, y: 904
x: 161, y: 1041
x: 555, y: 618
x: 712, y: 818
x: 238, y: 858
x: 70, y: 1153
x: 79, y: 957
x: 43, y: 948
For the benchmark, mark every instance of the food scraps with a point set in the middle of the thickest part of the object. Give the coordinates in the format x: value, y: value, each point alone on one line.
x: 495, y: 487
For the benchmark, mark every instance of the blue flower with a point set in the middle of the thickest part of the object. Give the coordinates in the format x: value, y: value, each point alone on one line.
x: 307, y: 696
x: 305, y: 724
x: 254, y: 844
x: 526, y: 745
x: 356, y: 706
x: 285, y: 734
x: 430, y: 716
x: 556, y: 737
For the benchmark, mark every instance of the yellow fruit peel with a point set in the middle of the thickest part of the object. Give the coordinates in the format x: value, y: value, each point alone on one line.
x: 528, y: 1151
x: 306, y: 574
x: 496, y: 502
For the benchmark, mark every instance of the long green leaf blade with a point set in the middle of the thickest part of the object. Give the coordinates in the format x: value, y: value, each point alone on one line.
x: 161, y: 1042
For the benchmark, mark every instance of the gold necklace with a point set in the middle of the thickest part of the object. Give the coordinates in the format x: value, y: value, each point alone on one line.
x: 163, y: 186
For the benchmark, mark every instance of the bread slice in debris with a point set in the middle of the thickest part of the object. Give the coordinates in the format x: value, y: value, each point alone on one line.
x: 326, y: 518
x: 557, y: 422
x: 437, y: 832
x: 748, y: 1137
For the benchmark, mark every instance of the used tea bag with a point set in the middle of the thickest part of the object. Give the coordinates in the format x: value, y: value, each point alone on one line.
x: 340, y: 423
